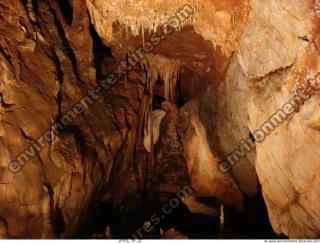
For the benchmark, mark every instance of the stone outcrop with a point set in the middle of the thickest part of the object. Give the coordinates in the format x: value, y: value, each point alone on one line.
x: 227, y: 68
x: 47, y: 66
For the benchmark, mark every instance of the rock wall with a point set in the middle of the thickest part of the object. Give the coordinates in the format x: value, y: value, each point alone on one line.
x: 270, y: 50
x: 48, y: 66
x: 278, y: 51
x: 236, y: 62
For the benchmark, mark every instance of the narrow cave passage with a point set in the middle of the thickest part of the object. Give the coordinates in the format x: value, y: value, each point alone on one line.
x: 195, y: 226
x: 66, y: 10
x: 165, y: 175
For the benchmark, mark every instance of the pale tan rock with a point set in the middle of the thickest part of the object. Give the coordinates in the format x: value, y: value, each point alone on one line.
x: 203, y: 163
x: 152, y: 133
x: 216, y: 21
x: 225, y: 118
x: 272, y: 36
x: 287, y: 159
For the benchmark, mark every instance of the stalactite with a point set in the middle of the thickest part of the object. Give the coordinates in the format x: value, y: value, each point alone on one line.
x: 221, y: 225
x: 165, y: 69
x: 151, y: 16
x: 147, y: 20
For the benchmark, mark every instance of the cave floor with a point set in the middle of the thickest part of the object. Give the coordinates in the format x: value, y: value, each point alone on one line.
x: 194, y: 226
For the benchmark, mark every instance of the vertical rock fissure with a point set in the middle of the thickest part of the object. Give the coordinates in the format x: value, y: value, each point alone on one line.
x: 65, y: 41
x: 66, y: 10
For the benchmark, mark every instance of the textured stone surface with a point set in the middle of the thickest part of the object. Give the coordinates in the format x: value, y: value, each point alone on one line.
x: 286, y: 161
x: 203, y: 163
x: 236, y: 63
x: 47, y: 67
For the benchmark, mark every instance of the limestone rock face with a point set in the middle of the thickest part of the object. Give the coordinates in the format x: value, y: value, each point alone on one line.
x: 47, y: 66
x: 203, y: 162
x: 209, y: 38
x: 272, y: 35
x: 286, y: 160
x: 226, y: 69
x: 268, y: 74
x: 275, y: 35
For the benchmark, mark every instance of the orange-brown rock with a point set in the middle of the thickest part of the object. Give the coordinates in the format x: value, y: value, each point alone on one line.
x: 225, y: 70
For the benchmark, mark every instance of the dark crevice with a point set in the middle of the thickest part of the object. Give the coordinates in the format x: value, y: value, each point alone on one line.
x: 65, y: 43
x: 6, y: 56
x: 257, y: 213
x: 59, y: 225
x: 52, y: 212
x: 30, y: 10
x: 4, y: 223
x: 125, y: 223
x: 180, y: 100
x: 157, y: 101
x: 76, y: 132
x: 66, y: 10
x: 25, y: 136
x: 159, y: 81
x: 35, y: 7
x: 99, y: 52
x: 60, y: 79
x: 59, y: 102
x: 252, y: 137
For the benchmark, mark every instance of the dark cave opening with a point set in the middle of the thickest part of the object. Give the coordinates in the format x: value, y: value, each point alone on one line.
x: 123, y: 224
x: 157, y: 101
x: 124, y: 221
x: 158, y: 95
x: 66, y: 10
x: 100, y: 51
x: 252, y: 137
x: 180, y: 99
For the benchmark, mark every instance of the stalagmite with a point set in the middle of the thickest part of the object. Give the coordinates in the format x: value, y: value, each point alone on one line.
x: 108, y: 234
x: 221, y: 225
x: 156, y: 117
